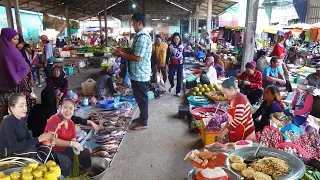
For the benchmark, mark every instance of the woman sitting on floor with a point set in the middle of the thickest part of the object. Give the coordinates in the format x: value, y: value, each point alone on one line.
x: 218, y: 64
x: 301, y: 105
x: 59, y: 83
x: 40, y: 113
x: 15, y: 139
x: 66, y: 145
x: 104, y: 84
x: 272, y: 103
x: 250, y: 83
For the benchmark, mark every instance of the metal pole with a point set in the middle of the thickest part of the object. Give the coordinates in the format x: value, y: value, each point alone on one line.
x: 18, y: 19
x: 100, y: 24
x: 190, y: 24
x: 105, y: 22
x: 209, y: 16
x: 130, y: 17
x: 66, y: 11
x: 250, y: 31
x: 7, y: 4
x: 197, y: 20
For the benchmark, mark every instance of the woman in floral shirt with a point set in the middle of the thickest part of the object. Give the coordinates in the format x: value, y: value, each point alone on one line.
x: 175, y: 61
x: 250, y: 83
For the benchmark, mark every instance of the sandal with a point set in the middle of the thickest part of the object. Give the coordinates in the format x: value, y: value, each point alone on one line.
x: 138, y: 127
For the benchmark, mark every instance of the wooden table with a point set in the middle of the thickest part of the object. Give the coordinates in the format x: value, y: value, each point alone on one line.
x: 73, y: 61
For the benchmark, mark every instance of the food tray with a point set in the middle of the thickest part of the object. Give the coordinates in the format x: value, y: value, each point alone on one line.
x: 200, y: 102
x: 204, y: 109
x: 295, y: 130
x: 300, y: 150
x: 232, y: 175
x: 296, y: 165
x: 216, y: 96
x: 118, y: 105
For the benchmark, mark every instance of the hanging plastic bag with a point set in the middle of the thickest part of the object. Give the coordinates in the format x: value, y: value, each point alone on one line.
x: 127, y: 80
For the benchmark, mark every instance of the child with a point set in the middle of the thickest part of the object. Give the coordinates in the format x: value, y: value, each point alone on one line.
x: 34, y: 61
x: 301, y: 105
x: 199, y: 53
x: 209, y: 74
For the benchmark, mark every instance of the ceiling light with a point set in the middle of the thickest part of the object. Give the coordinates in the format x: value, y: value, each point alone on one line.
x: 133, y: 6
x: 168, y: 17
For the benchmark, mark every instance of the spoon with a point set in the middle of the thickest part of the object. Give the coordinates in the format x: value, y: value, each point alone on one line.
x: 253, y: 158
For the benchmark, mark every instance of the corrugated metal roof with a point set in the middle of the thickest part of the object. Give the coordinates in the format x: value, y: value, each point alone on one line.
x: 313, y: 10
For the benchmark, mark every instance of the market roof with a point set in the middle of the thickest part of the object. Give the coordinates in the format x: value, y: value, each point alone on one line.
x: 85, y: 9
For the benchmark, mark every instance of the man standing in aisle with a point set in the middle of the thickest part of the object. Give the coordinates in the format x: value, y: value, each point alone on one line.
x: 159, y: 49
x: 139, y: 59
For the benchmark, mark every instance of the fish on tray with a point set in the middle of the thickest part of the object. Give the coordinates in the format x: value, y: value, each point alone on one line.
x: 101, y: 154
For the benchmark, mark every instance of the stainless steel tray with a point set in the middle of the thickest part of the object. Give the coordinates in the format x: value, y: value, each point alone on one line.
x: 296, y: 165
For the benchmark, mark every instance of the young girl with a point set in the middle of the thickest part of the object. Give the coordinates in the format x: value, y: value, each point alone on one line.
x: 34, y: 61
x: 301, y: 105
x: 272, y: 103
x: 209, y: 75
x: 66, y: 145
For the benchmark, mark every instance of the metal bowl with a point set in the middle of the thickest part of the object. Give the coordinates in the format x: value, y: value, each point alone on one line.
x: 99, y: 167
x: 296, y: 165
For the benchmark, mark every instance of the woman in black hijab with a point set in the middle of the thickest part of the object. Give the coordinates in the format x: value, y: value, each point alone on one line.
x: 40, y: 113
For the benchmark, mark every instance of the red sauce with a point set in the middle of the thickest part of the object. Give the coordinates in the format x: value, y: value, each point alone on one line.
x: 220, y: 160
x: 199, y: 176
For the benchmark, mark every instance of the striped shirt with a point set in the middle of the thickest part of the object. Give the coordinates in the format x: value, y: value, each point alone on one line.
x: 242, y: 115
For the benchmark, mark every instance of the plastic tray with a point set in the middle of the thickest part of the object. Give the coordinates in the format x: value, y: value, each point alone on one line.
x: 205, y: 109
x: 192, y: 100
x: 300, y: 150
x: 295, y: 129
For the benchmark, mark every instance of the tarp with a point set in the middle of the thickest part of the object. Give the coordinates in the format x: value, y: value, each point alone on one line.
x: 50, y: 22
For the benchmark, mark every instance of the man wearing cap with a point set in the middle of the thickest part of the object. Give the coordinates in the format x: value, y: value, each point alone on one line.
x: 314, y: 80
x: 48, y: 55
x: 159, y: 53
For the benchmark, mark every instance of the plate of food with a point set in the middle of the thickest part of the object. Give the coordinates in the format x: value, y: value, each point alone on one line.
x: 271, y: 164
x: 206, y: 159
x: 218, y: 173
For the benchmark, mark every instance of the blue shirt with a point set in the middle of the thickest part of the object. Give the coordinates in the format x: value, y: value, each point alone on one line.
x: 271, y: 72
x: 142, y: 47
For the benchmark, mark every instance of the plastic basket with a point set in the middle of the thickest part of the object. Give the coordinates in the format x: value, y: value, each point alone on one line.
x: 204, y: 109
x: 207, y: 137
x: 272, y: 128
x: 299, y: 149
x: 216, y: 96
x: 295, y: 130
x: 193, y: 100
x: 88, y: 87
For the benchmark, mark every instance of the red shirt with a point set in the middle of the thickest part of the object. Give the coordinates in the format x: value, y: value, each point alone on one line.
x: 255, y: 80
x: 279, y: 50
x: 63, y: 133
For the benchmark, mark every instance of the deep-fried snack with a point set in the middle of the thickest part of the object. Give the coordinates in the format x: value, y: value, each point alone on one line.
x: 261, y: 176
x: 236, y: 159
x: 248, y: 173
x: 238, y: 166
x: 205, y: 154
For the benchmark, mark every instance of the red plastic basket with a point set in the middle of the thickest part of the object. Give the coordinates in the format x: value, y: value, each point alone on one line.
x: 300, y: 150
x: 204, y: 109
x: 272, y: 128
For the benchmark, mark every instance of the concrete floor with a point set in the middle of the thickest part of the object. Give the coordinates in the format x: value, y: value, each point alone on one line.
x: 153, y: 154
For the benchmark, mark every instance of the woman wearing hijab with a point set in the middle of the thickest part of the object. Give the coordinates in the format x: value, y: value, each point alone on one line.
x: 40, y: 113
x: 13, y: 67
x: 104, y: 85
x: 59, y: 83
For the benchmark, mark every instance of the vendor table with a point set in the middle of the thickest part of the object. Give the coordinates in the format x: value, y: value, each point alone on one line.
x: 73, y: 61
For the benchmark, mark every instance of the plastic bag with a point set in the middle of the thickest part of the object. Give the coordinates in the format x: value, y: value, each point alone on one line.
x: 159, y: 78
x: 127, y: 81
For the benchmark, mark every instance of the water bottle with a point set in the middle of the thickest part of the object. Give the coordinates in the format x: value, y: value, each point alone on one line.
x: 85, y: 102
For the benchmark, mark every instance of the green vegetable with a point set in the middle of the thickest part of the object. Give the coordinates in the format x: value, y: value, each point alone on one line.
x: 75, y: 167
x: 316, y: 174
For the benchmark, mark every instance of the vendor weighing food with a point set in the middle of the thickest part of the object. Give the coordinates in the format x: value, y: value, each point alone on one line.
x: 66, y: 144
x: 240, y: 124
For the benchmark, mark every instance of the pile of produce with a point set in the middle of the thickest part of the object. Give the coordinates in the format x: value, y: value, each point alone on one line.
x: 216, y: 96
x: 48, y: 171
x: 310, y: 142
x: 266, y: 168
x: 95, y: 49
x: 201, y: 89
x: 270, y: 136
x: 214, y: 123
x: 311, y: 174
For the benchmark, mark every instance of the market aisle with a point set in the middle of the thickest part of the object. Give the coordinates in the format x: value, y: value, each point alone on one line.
x: 158, y: 152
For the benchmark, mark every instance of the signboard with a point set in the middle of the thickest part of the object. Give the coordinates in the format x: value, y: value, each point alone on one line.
x: 282, y: 14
